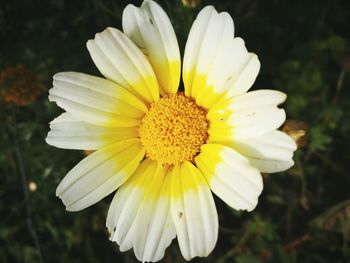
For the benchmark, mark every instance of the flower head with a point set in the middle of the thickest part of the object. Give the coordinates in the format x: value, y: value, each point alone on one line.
x: 191, y: 3
x: 298, y: 130
x: 18, y: 86
x: 166, y: 150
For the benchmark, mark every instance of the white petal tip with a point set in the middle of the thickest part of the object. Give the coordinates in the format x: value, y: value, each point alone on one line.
x: 59, y: 191
x: 283, y: 97
x: 51, y: 98
x: 72, y: 209
x: 250, y: 209
x: 89, y: 44
x: 290, y: 165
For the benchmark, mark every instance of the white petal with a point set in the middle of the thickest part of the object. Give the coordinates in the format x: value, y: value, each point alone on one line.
x: 96, y: 100
x: 119, y: 59
x: 252, y: 99
x: 150, y: 29
x: 126, y: 201
x: 215, y: 63
x: 99, y: 174
x: 121, y: 216
x: 154, y: 229
x: 193, y: 212
x: 68, y: 132
x: 230, y: 176
x: 270, y: 153
x: 249, y: 115
x: 139, y: 214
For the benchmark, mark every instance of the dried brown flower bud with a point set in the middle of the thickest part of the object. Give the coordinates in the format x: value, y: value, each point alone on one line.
x: 18, y: 86
x: 298, y: 130
x: 191, y: 3
x: 88, y: 152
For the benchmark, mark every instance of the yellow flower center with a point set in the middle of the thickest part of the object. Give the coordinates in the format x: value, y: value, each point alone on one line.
x: 173, y: 129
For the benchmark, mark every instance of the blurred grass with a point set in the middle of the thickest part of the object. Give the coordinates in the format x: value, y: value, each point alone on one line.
x: 303, y: 214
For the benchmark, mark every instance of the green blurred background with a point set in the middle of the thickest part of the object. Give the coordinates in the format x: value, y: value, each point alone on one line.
x: 303, y: 214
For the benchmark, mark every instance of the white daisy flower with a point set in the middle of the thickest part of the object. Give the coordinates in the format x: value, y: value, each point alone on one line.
x: 165, y: 150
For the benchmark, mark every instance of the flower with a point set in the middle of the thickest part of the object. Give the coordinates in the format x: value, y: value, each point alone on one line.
x: 18, y: 86
x: 191, y: 3
x: 298, y: 130
x: 165, y: 150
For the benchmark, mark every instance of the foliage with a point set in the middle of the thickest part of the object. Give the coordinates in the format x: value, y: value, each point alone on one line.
x: 303, y: 214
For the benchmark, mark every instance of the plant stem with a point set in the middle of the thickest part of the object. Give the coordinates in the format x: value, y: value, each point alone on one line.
x: 24, y: 179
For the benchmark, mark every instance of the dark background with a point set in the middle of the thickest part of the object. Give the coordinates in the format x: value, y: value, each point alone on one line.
x: 303, y: 214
